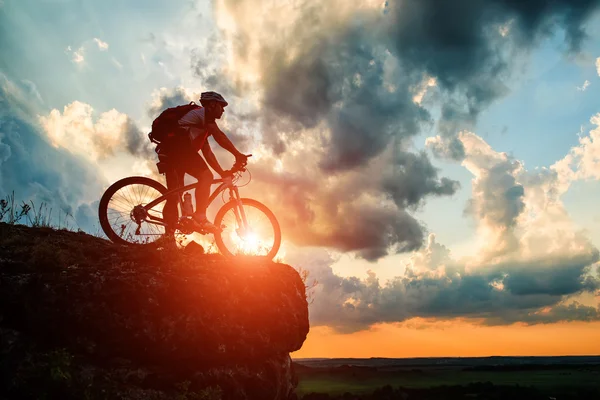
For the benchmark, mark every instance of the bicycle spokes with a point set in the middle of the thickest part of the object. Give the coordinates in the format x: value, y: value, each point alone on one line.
x: 257, y: 237
x: 130, y: 219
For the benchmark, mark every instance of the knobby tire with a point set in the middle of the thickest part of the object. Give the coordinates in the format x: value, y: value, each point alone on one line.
x: 106, y: 197
x: 258, y: 205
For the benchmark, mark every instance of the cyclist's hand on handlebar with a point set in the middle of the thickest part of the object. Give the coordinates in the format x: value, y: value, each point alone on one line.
x: 242, y: 159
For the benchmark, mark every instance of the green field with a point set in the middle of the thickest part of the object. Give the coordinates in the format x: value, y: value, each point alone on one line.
x: 362, y: 380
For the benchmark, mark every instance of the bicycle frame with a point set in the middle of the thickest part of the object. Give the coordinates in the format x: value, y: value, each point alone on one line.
x: 225, y: 183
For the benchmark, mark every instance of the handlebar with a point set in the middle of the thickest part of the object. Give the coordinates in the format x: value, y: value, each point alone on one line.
x: 240, y: 166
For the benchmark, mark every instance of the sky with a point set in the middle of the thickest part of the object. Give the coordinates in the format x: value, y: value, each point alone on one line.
x: 434, y: 165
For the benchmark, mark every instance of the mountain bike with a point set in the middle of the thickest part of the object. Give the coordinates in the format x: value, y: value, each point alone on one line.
x: 131, y: 212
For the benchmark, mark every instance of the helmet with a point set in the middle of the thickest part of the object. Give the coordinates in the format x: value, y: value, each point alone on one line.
x: 212, y: 96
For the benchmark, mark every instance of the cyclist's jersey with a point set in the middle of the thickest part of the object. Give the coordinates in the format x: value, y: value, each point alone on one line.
x: 194, y: 123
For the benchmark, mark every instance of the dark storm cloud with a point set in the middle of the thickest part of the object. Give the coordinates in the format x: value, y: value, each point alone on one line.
x: 336, y: 216
x: 342, y: 81
x: 489, y: 294
x: 411, y: 177
x: 561, y: 278
x: 372, y: 231
x: 458, y: 43
x: 571, y: 312
x: 350, y: 83
x: 303, y: 90
x: 34, y: 169
x: 137, y: 141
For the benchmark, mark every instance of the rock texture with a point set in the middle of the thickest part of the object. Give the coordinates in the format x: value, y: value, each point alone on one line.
x: 81, y: 317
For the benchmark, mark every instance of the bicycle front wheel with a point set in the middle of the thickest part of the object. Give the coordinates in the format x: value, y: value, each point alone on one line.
x: 122, y: 213
x: 260, y: 237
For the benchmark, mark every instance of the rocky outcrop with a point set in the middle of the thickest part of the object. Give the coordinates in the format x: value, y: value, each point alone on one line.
x: 81, y: 317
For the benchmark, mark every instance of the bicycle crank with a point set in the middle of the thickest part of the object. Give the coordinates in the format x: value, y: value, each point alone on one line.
x: 138, y: 215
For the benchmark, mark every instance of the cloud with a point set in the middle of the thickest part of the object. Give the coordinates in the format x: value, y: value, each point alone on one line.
x: 363, y: 210
x: 583, y: 160
x: 164, y: 98
x: 436, y: 286
x: 101, y: 45
x: 328, y: 116
x: 598, y: 65
x: 583, y: 87
x: 497, y: 199
x: 34, y: 169
x: 339, y: 95
x: 77, y: 130
x: 568, y: 312
x: 529, y: 264
x: 354, y: 67
x: 422, y: 88
x: 76, y: 55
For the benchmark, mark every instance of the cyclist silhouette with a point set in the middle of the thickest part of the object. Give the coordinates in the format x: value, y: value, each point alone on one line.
x: 183, y: 157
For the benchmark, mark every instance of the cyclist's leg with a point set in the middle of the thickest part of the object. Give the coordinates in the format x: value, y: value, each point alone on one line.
x: 174, y: 179
x: 196, y: 167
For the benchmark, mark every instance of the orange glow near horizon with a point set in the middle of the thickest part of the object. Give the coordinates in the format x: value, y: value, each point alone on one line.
x: 417, y: 338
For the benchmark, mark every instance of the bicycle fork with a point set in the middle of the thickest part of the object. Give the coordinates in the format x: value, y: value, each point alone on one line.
x: 240, y: 214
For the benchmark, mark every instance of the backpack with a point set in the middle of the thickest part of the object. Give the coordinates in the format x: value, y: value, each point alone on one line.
x: 165, y: 126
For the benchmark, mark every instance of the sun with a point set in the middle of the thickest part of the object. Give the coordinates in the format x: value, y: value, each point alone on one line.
x: 248, y: 243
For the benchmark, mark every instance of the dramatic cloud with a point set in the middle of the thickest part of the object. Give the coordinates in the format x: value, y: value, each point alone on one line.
x: 331, y: 107
x: 361, y: 210
x: 529, y: 265
x: 358, y: 67
x: 76, y: 130
x: 35, y: 170
x: 436, y: 286
x: 343, y: 89
x: 583, y: 161
x: 497, y: 198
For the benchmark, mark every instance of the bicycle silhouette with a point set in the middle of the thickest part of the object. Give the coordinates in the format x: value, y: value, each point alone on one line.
x: 131, y: 212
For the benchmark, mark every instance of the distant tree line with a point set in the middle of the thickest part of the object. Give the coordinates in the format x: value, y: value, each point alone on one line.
x: 477, y: 391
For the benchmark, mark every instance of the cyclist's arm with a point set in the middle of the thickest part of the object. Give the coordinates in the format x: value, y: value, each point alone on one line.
x: 210, y: 158
x: 223, y: 140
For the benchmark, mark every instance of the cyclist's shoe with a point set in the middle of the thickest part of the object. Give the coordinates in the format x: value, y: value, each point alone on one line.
x: 202, y: 224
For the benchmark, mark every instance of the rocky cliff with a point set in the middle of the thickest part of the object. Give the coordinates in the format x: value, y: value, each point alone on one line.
x: 82, y: 318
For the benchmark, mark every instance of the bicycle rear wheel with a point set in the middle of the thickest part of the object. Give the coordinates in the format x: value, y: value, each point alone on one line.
x: 261, y: 237
x: 122, y: 215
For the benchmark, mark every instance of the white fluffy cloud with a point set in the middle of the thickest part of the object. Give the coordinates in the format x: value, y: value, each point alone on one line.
x: 583, y: 160
x: 101, y: 44
x: 81, y: 131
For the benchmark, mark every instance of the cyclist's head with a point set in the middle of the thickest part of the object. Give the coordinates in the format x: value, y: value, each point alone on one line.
x: 214, y: 104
